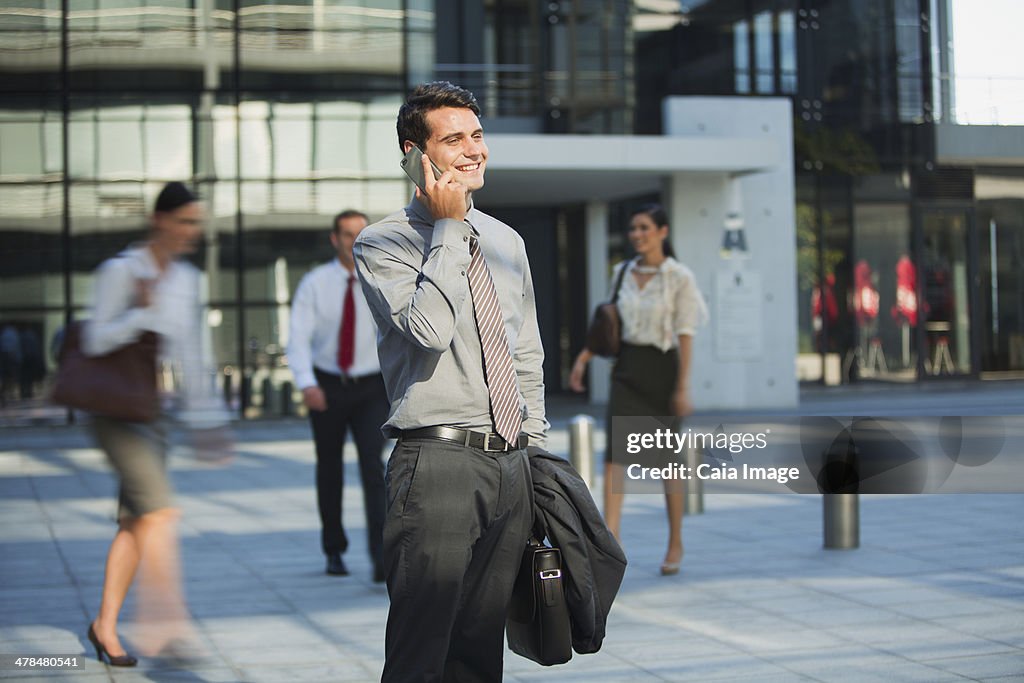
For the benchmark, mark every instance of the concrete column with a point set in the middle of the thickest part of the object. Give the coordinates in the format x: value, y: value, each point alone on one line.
x: 696, y: 206
x: 737, y: 364
x: 597, y: 289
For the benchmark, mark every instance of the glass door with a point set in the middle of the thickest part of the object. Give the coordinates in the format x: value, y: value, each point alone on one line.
x: 1000, y: 310
x: 880, y: 346
x: 944, y: 293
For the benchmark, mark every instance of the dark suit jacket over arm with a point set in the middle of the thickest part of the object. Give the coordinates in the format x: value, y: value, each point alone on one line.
x: 594, y: 563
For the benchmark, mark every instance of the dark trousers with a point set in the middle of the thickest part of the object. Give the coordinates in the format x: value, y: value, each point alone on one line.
x: 361, y: 404
x: 458, y: 521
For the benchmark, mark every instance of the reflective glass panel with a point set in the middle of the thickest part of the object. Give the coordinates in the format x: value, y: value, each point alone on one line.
x: 883, y: 274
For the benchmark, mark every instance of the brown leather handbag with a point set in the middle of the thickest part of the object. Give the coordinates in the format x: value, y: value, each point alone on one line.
x: 121, y: 384
x: 604, y: 336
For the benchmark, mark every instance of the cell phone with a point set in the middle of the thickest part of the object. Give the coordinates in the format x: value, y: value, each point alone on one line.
x: 412, y: 164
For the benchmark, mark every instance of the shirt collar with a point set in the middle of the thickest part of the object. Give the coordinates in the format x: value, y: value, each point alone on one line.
x: 342, y: 269
x: 418, y: 209
x: 147, y: 262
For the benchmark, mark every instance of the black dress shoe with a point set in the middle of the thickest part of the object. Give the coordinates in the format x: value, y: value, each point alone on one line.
x: 335, y: 566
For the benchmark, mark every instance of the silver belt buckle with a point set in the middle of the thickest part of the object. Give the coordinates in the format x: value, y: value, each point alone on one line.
x: 487, y: 442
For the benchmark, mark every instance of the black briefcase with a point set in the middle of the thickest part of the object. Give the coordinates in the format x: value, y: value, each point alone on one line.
x: 538, y: 616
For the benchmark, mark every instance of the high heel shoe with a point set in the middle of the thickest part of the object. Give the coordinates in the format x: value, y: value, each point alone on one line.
x: 671, y: 568
x: 101, y: 652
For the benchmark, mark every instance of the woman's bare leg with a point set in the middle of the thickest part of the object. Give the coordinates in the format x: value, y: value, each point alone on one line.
x: 674, y: 501
x: 613, y: 478
x: 162, y: 614
x: 122, y: 562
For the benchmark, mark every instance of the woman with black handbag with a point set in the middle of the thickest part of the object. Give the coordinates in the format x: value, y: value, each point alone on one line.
x: 659, y: 307
x: 147, y: 292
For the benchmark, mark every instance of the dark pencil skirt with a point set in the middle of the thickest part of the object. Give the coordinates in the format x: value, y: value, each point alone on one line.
x: 643, y: 381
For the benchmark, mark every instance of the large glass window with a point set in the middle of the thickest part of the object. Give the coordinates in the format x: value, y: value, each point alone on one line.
x: 30, y: 144
x: 152, y: 88
x: 946, y: 304
x: 787, y: 52
x: 741, y: 55
x: 32, y: 295
x: 764, y: 52
x: 1000, y: 226
x: 823, y: 279
x: 30, y: 246
x: 910, y: 42
x: 130, y: 142
x: 115, y: 45
x: 319, y: 45
x: 883, y: 264
x: 29, y: 45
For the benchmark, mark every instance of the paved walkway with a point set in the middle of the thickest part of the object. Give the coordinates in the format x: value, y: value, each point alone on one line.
x: 935, y: 592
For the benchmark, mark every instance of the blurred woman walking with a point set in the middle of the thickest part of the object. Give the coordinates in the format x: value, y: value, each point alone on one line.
x: 147, y: 288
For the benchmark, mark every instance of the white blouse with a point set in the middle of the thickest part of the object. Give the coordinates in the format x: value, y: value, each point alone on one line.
x: 668, y: 305
x: 175, y: 313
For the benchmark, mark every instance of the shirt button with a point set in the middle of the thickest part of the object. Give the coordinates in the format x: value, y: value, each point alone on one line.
x: 465, y: 238
x: 463, y: 272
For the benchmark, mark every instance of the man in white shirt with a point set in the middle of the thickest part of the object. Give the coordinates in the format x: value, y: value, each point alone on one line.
x: 332, y: 351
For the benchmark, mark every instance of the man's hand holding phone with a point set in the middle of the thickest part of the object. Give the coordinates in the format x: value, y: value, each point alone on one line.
x: 443, y: 196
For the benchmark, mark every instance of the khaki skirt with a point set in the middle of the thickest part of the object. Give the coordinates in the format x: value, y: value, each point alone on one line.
x: 138, y: 454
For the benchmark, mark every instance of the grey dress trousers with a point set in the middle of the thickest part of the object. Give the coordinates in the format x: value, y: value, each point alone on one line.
x: 458, y: 519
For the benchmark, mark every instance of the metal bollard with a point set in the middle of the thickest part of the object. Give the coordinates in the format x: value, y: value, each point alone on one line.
x: 842, y: 520
x: 228, y: 388
x: 287, y: 404
x: 581, y: 447
x: 693, y: 502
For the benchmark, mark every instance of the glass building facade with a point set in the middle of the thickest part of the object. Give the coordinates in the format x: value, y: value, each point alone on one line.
x: 909, y: 263
x: 282, y: 114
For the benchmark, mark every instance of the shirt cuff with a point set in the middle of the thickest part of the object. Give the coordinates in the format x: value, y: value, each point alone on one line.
x: 144, y: 319
x: 536, y: 429
x: 304, y: 380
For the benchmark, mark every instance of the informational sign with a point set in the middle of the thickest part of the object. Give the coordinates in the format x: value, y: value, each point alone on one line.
x: 734, y: 239
x: 737, y: 313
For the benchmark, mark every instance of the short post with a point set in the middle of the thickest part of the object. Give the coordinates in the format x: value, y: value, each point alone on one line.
x: 693, y: 501
x: 269, y: 399
x: 228, y: 388
x: 842, y: 520
x: 245, y: 392
x: 581, y: 447
x: 287, y: 404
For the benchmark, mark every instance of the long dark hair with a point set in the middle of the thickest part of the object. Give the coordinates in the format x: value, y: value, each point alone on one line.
x: 656, y: 212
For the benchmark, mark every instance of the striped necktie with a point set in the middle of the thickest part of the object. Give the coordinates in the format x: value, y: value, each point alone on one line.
x: 498, y: 370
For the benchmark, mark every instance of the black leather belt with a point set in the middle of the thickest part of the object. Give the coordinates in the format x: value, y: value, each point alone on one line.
x: 344, y: 379
x: 486, y: 442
